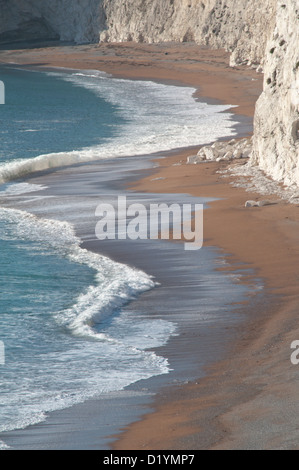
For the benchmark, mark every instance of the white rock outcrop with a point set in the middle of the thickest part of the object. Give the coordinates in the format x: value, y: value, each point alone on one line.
x: 276, y: 122
x: 223, y: 151
x: 258, y: 203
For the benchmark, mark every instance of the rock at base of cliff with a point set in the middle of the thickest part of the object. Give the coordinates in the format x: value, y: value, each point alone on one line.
x: 223, y: 151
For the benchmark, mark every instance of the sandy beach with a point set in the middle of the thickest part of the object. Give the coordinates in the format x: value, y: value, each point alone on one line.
x: 248, y: 400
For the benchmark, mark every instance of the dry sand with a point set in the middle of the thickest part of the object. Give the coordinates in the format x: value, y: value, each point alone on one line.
x: 249, y: 399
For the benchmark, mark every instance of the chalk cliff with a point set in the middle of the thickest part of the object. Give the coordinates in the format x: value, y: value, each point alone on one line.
x: 276, y: 123
x: 241, y: 27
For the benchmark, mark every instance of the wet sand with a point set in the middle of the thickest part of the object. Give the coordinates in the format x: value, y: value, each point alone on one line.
x: 248, y: 400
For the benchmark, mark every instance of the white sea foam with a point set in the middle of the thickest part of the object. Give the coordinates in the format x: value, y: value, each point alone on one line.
x: 21, y: 188
x: 90, y: 361
x: 116, y: 284
x: 3, y: 446
x: 156, y: 118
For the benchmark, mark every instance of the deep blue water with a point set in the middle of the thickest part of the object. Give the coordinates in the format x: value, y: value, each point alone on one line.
x: 45, y: 114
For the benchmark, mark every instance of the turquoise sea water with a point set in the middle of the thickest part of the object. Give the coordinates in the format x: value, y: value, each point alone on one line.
x: 54, y: 294
x: 45, y: 114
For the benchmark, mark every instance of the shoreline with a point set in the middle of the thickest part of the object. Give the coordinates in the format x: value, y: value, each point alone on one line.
x: 251, y: 410
x: 183, y: 64
x: 240, y: 414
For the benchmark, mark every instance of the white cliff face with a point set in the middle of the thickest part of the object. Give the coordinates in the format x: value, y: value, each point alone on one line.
x: 241, y: 27
x: 68, y: 20
x: 276, y: 126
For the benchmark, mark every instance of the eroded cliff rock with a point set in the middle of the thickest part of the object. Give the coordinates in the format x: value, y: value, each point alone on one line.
x: 241, y: 27
x: 276, y: 123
